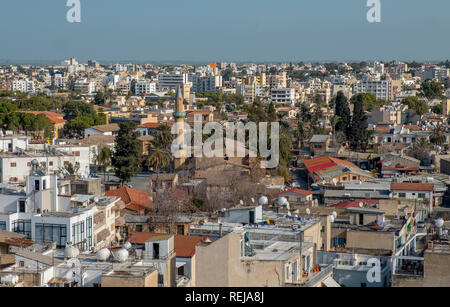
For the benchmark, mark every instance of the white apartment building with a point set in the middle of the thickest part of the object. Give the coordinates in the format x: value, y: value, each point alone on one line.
x: 145, y: 87
x: 436, y: 72
x: 172, y: 80
x: 205, y: 84
x: 282, y: 95
x: 15, y: 166
x: 25, y: 86
x: 84, y: 86
x: 382, y: 89
x: 44, y: 213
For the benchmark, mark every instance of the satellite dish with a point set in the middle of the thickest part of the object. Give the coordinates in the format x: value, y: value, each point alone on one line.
x: 241, y: 202
x: 281, y: 201
x: 334, y: 214
x: 332, y: 218
x: 253, y: 200
x: 263, y: 200
x: 127, y: 246
x: 71, y: 252
x: 121, y: 255
x: 287, y: 205
x: 103, y: 254
x: 308, y: 211
x: 361, y: 204
x: 439, y: 223
x: 96, y: 199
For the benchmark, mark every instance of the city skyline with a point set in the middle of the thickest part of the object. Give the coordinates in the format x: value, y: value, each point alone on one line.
x: 203, y: 31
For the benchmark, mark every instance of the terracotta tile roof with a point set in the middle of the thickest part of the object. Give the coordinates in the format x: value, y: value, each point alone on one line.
x: 55, y: 118
x: 135, y: 200
x: 323, y: 162
x: 106, y: 128
x: 184, y: 245
x: 411, y: 186
x: 153, y: 125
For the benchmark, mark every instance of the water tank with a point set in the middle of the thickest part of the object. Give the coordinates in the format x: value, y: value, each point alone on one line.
x: 127, y: 246
x: 71, y: 252
x: 121, y: 255
x: 281, y: 201
x: 439, y: 222
x: 263, y: 200
x: 103, y: 254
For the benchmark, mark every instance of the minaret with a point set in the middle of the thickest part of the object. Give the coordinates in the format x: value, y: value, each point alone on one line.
x: 180, y: 115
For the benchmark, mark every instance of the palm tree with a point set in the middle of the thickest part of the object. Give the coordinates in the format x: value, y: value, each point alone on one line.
x: 437, y: 137
x: 164, y: 136
x: 158, y: 155
x: 104, y: 158
x: 333, y: 121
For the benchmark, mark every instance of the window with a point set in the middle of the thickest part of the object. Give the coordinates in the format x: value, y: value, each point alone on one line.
x: 2, y: 225
x: 13, y: 164
x: 36, y: 185
x: 421, y: 195
x: 22, y: 227
x: 44, y: 184
x: 51, y: 233
x: 21, y: 206
x: 287, y: 273
x: 402, y: 195
x: 156, y: 250
x: 78, y: 232
x: 50, y: 163
x: 138, y: 228
x: 89, y: 231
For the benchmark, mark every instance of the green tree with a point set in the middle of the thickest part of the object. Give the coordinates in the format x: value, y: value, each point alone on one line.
x: 342, y: 110
x: 414, y: 103
x: 104, y: 158
x: 437, y: 137
x: 358, y: 135
x: 127, y: 155
x: 432, y: 89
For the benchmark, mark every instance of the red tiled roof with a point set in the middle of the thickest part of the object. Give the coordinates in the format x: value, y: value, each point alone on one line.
x: 55, y: 118
x: 135, y: 200
x: 323, y: 162
x: 411, y: 186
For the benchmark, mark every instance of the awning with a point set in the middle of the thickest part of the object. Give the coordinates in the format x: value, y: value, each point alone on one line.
x: 180, y: 264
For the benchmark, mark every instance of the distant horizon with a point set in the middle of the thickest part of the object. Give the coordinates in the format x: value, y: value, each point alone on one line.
x: 187, y: 62
x: 202, y: 31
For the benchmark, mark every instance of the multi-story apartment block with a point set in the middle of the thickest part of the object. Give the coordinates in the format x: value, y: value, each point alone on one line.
x: 172, y: 80
x: 84, y: 86
x: 382, y: 89
x: 282, y: 95
x: 145, y: 87
x: 25, y: 86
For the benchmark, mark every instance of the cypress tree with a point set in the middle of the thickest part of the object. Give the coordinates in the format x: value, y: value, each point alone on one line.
x: 342, y: 110
x: 127, y: 155
x: 358, y: 135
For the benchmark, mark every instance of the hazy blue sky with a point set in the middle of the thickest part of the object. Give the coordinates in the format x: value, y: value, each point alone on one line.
x: 238, y: 30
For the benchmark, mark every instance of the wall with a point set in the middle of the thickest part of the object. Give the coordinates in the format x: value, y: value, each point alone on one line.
x: 370, y: 240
